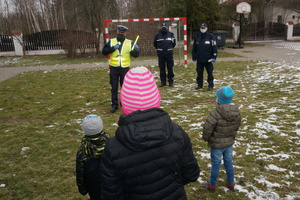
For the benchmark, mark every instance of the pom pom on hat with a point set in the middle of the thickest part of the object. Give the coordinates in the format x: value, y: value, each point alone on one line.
x: 225, y: 95
x: 139, y: 91
x: 92, y: 125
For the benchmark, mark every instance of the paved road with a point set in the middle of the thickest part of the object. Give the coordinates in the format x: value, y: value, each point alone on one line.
x: 275, y: 51
x: 8, y: 72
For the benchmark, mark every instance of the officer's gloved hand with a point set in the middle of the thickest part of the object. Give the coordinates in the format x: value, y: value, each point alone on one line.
x: 213, y: 60
x: 136, y: 47
x: 116, y: 46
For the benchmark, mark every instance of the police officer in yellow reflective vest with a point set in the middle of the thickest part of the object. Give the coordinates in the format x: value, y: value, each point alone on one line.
x: 120, y: 50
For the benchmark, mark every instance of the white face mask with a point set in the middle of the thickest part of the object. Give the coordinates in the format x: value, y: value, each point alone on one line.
x: 203, y: 30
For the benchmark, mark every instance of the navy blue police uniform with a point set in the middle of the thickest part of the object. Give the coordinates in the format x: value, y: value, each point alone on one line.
x: 205, y: 53
x: 164, y: 42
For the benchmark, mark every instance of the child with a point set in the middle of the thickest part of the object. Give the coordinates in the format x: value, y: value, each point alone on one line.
x: 88, y: 157
x: 220, y: 130
x: 150, y: 157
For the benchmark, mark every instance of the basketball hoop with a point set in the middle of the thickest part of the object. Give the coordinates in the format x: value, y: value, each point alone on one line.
x: 243, y: 8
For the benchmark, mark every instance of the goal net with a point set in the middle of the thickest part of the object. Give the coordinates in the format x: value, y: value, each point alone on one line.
x: 146, y: 29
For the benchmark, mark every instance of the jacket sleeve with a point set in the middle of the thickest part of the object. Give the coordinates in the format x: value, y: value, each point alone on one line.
x: 112, y: 185
x: 154, y: 42
x: 107, y: 49
x: 80, y: 174
x: 173, y: 40
x: 194, y: 50
x: 209, y: 126
x: 135, y: 53
x: 214, y: 47
x: 189, y: 166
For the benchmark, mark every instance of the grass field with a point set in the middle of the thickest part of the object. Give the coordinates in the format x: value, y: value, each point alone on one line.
x: 40, y: 126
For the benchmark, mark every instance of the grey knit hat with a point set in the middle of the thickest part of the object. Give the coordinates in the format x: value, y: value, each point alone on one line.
x: 92, y: 125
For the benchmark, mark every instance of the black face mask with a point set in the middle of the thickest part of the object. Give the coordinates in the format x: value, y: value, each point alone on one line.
x: 120, y: 37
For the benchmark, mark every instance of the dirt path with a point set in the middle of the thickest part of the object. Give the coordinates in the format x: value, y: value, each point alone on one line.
x: 278, y: 51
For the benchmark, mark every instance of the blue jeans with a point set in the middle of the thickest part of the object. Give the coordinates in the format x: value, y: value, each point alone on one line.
x: 216, y: 157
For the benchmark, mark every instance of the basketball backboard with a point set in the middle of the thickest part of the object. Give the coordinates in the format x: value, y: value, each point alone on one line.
x: 243, y: 7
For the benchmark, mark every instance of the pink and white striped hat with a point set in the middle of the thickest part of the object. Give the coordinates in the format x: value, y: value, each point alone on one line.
x: 139, y: 91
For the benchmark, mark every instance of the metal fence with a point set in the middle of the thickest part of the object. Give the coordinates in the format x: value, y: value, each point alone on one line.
x: 59, y: 39
x: 296, y: 30
x: 6, y: 43
x: 258, y: 31
x: 51, y: 40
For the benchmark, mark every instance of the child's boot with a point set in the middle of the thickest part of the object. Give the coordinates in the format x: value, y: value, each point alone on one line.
x: 230, y: 187
x: 210, y: 188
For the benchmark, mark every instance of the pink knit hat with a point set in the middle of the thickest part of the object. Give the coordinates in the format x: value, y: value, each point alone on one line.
x: 139, y: 91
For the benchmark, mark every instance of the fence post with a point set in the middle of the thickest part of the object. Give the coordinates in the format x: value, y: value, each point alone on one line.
x: 236, y: 31
x: 18, y: 41
x: 290, y: 27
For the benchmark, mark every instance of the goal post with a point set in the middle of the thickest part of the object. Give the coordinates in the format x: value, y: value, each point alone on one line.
x: 147, y: 28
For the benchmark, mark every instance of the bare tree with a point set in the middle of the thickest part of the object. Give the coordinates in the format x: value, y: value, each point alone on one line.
x: 145, y: 9
x: 38, y: 15
x: 293, y: 5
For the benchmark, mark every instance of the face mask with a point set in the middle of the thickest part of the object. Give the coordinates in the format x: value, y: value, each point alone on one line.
x: 203, y: 30
x: 120, y: 37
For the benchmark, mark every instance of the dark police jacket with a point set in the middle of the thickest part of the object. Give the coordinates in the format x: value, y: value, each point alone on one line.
x: 149, y: 158
x: 204, y: 47
x: 164, y: 43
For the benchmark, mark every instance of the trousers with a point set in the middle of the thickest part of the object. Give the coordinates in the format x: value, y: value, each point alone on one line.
x: 164, y: 60
x: 209, y: 69
x: 216, y: 156
x: 116, y: 75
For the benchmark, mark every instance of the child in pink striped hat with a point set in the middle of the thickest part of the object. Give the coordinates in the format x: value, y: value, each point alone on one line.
x: 150, y: 156
x: 139, y: 91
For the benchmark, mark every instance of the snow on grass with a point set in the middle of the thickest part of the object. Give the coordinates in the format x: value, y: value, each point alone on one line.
x: 268, y: 88
x: 274, y: 167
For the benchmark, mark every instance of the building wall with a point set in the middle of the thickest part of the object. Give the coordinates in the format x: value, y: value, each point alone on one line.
x: 279, y: 15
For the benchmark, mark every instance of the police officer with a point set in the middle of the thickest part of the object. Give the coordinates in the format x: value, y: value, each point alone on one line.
x: 164, y: 42
x: 205, y: 53
x: 120, y: 50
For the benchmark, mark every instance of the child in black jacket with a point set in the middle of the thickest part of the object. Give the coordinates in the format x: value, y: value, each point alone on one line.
x: 88, y: 157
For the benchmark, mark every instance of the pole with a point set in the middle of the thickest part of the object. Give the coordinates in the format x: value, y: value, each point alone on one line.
x: 240, y: 35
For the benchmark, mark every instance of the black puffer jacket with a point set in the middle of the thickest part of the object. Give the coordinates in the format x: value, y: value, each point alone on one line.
x: 88, y: 163
x: 149, y: 158
x: 221, y: 126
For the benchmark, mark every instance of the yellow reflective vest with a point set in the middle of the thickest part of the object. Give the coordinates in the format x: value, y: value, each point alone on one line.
x: 120, y: 57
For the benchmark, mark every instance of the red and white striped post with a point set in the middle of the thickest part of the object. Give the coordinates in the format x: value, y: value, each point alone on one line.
x: 185, y: 52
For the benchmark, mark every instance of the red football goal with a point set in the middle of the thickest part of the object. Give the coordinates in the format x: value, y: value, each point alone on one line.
x: 146, y: 28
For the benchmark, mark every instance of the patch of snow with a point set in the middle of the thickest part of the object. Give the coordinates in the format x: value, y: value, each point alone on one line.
x: 274, y: 167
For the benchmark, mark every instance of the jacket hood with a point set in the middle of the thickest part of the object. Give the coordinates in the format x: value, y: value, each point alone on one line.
x: 230, y: 112
x: 141, y: 130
